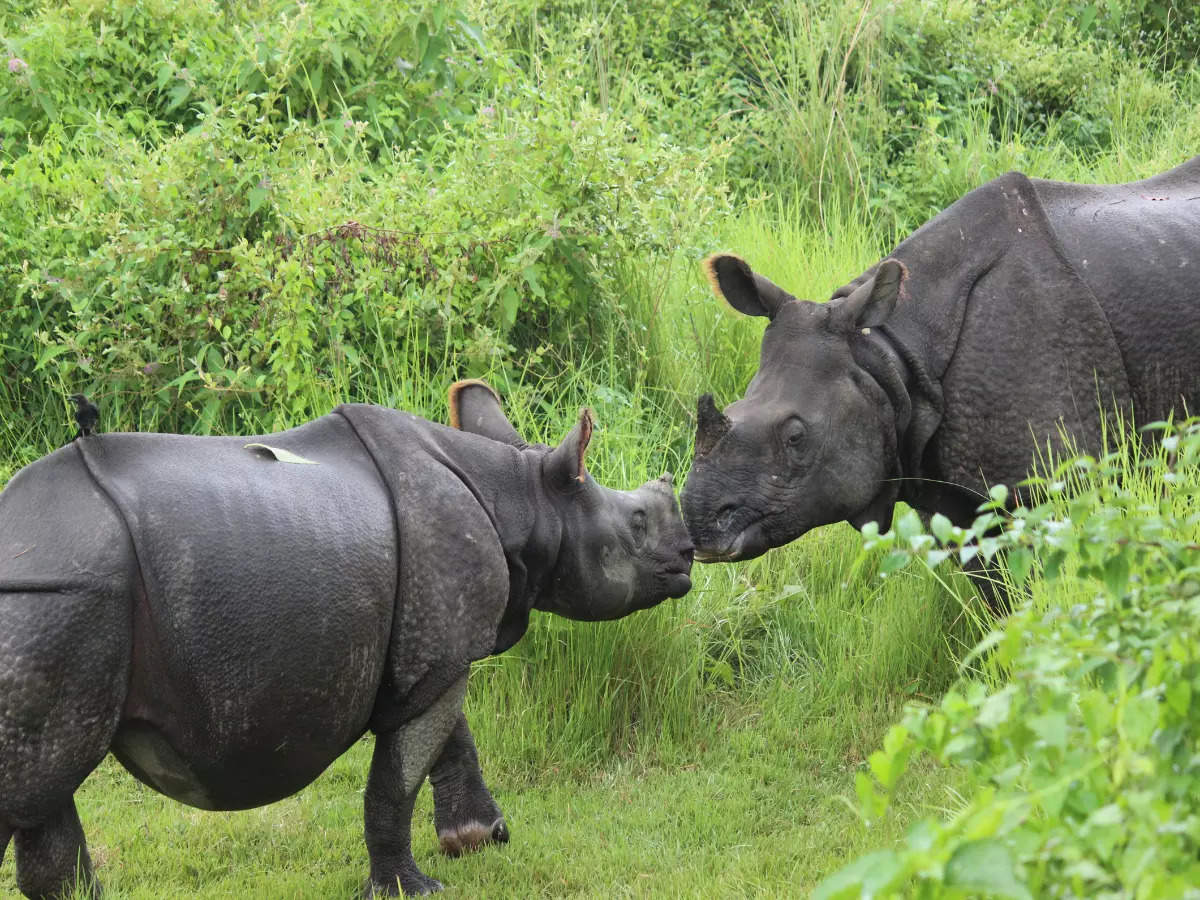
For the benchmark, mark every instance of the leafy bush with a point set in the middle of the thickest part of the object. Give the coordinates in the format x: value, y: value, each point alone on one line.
x: 225, y: 272
x: 1081, y: 726
x: 142, y: 68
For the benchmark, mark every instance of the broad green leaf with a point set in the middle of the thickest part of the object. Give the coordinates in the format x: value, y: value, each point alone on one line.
x: 908, y: 526
x: 995, y: 709
x: 1019, y: 562
x: 861, y: 878
x: 882, y: 768
x: 508, y: 305
x: 1051, y: 728
x: 941, y: 527
x: 897, y: 559
x: 1179, y: 697
x: 257, y: 197
x: 986, y: 867
x: 1116, y: 573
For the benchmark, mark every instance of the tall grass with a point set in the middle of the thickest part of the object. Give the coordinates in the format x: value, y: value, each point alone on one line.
x: 729, y: 715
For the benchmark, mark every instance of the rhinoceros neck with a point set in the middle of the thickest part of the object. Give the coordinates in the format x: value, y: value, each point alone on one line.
x: 506, y: 483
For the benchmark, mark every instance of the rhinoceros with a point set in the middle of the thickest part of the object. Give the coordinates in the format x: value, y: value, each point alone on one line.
x: 228, y: 615
x: 1021, y: 318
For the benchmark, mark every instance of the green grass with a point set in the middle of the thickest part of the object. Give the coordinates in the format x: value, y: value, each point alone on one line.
x: 753, y: 813
x: 707, y: 747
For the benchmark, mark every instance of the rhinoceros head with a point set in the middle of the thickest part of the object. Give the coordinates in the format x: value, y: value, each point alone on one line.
x: 615, y: 551
x: 814, y: 437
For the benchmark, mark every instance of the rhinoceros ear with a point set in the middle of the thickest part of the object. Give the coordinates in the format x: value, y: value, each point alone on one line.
x: 475, y: 407
x: 872, y: 302
x: 746, y: 291
x: 564, y: 464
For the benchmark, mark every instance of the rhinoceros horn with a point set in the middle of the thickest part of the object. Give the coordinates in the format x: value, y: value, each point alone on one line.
x: 711, y: 425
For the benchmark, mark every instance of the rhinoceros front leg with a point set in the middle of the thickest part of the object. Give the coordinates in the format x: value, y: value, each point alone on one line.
x: 402, y: 759
x: 52, y: 859
x: 464, y: 812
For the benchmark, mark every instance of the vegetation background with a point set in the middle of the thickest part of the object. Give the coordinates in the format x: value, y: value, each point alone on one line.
x: 224, y: 217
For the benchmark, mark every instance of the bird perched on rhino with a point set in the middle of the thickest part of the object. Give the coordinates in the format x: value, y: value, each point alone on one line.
x: 86, y: 416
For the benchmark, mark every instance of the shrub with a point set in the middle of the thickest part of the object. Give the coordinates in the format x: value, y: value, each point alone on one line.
x: 1080, y: 724
x: 142, y: 68
x: 226, y: 272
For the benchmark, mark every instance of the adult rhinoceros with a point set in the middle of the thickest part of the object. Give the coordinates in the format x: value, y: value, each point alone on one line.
x: 1025, y: 308
x: 227, y: 619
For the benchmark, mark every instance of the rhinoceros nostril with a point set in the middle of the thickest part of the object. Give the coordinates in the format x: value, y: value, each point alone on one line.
x: 688, y: 553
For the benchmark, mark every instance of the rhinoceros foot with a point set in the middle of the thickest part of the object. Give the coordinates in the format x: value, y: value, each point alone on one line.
x: 411, y: 883
x: 472, y: 836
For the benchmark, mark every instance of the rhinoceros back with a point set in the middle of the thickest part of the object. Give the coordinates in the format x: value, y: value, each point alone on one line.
x: 1137, y: 246
x: 262, y: 616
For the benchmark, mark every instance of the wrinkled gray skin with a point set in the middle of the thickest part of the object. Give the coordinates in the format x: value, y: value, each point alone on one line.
x: 1025, y: 309
x: 227, y: 624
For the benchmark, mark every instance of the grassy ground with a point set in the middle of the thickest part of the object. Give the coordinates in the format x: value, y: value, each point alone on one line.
x: 757, y: 815
x: 704, y: 748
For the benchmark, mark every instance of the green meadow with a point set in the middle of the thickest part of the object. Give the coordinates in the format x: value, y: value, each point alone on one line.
x: 226, y: 218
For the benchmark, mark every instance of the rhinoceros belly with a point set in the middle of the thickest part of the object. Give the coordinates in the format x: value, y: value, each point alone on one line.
x: 262, y: 616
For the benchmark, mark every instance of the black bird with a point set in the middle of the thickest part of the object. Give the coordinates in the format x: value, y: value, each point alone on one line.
x: 86, y: 415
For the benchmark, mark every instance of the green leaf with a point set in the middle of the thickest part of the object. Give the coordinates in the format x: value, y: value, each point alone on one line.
x: 1179, y: 697
x: 257, y: 197
x: 1116, y: 573
x: 985, y: 866
x: 1087, y: 16
x: 864, y: 877
x: 897, y: 559
x: 995, y: 709
x: 908, y: 526
x: 473, y: 33
x: 941, y: 527
x: 1051, y: 728
x: 531, y: 278
x: 882, y: 769
x: 51, y: 353
x: 1052, y: 566
x: 1019, y: 562
x: 284, y: 456
x: 509, y: 302
x: 871, y: 800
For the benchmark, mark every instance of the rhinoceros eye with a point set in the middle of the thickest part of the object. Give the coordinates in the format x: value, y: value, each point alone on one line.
x: 793, y: 434
x: 637, y: 527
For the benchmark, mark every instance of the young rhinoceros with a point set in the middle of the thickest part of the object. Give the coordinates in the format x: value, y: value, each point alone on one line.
x: 229, y: 617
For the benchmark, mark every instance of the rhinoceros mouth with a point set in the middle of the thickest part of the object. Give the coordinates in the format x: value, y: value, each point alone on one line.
x: 746, y: 544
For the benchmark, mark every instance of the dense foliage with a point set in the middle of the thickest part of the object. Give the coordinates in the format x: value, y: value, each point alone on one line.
x: 1080, y: 725
x: 220, y: 217
x: 214, y: 213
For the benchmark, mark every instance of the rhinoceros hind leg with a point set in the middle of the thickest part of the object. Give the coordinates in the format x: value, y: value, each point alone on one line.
x: 401, y: 761
x: 52, y: 859
x: 465, y: 814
